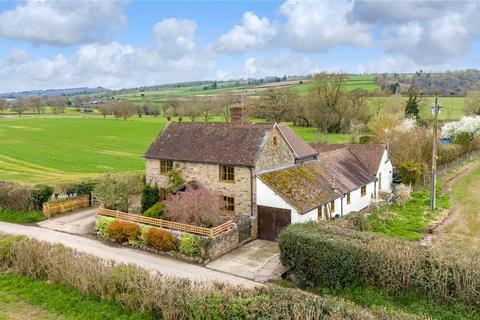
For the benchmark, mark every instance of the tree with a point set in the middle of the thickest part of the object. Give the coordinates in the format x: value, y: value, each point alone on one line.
x: 57, y: 104
x: 3, y: 104
x: 36, y: 104
x: 140, y: 111
x: 124, y: 109
x: 105, y: 109
x: 472, y: 101
x: 412, y: 110
x: 170, y: 106
x: 118, y: 191
x: 328, y: 102
x: 359, y: 112
x: 274, y: 105
x: 378, y: 101
x: 19, y: 106
x: 200, y: 207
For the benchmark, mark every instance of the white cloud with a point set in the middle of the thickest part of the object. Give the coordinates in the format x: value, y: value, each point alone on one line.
x: 389, y: 64
x: 253, y: 32
x: 316, y: 26
x: 113, y: 65
x: 62, y: 22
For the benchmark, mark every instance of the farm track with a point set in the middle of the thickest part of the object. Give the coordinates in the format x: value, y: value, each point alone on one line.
x: 461, y: 229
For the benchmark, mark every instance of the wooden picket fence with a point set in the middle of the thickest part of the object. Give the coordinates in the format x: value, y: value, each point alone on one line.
x: 54, y: 208
x: 212, y: 232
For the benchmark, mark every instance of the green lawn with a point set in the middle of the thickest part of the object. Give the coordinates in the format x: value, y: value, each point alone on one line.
x: 410, y: 221
x: 67, y: 148
x: 25, y: 298
x: 14, y: 216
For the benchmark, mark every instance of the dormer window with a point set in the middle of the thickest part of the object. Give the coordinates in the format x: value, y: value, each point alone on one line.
x: 227, y: 173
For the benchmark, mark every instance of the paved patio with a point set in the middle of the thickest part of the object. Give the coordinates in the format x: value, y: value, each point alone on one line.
x: 257, y: 260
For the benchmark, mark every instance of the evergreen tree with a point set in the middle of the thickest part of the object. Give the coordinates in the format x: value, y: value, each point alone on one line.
x: 412, y: 109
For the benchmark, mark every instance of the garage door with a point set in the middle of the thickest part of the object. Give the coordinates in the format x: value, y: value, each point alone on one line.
x: 271, y: 221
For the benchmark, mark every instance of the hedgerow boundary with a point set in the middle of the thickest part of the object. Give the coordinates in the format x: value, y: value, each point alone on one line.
x: 167, y: 297
x: 323, y: 254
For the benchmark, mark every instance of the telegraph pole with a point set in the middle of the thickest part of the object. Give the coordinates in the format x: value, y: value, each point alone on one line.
x: 435, y: 111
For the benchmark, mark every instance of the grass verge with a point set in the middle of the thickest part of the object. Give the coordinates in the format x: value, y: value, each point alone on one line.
x: 408, y: 303
x: 410, y: 221
x: 20, y: 217
x: 55, y: 301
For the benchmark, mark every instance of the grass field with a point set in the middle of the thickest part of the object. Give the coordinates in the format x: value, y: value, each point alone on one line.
x: 14, y: 216
x: 62, y: 149
x: 23, y: 298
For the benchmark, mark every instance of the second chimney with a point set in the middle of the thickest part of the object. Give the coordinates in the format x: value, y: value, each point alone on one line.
x: 237, y: 114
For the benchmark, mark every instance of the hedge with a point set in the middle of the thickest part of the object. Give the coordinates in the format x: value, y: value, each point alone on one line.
x: 171, y: 298
x: 336, y: 257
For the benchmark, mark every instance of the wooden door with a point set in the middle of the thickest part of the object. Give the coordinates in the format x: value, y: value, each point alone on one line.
x: 271, y: 221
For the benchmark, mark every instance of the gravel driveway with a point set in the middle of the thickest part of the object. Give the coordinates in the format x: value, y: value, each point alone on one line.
x: 80, y: 222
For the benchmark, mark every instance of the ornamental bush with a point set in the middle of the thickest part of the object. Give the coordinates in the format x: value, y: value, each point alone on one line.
x: 150, y: 196
x: 189, y: 244
x: 336, y: 257
x: 123, y: 231
x: 160, y: 239
x: 155, y: 211
x: 102, y: 225
x: 40, y: 194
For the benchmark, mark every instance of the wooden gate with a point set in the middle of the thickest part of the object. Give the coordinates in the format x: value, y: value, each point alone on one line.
x: 271, y: 221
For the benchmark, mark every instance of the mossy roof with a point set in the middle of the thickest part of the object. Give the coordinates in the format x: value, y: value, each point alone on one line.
x: 304, y: 186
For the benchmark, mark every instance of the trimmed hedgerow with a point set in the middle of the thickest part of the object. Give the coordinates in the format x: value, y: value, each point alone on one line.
x: 160, y: 239
x: 327, y: 255
x: 166, y: 297
x: 123, y: 231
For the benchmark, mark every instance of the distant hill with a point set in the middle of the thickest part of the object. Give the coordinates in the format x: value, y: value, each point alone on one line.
x: 53, y: 92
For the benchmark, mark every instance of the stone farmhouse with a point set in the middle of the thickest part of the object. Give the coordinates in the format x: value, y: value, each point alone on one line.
x: 267, y: 175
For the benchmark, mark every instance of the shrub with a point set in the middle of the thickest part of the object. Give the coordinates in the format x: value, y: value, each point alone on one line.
x: 167, y: 297
x: 156, y: 211
x: 336, y: 257
x: 403, y: 193
x: 6, y: 245
x: 117, y: 191
x: 102, y: 225
x: 40, y: 194
x: 81, y: 188
x: 200, y: 207
x: 160, y: 239
x: 411, y: 173
x: 150, y: 196
x: 15, y: 196
x: 188, y: 244
x: 122, y: 231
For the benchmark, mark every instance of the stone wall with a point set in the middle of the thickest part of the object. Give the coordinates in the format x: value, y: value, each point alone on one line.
x: 223, y: 243
x: 273, y: 156
x: 208, y: 174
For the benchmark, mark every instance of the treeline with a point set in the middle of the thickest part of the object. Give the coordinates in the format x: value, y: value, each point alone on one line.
x: 447, y: 83
x: 35, y: 105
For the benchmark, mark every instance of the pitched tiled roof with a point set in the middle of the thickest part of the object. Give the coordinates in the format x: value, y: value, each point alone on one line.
x: 348, y: 170
x: 317, y: 182
x: 302, y: 186
x: 369, y: 154
x: 210, y: 142
x: 300, y: 148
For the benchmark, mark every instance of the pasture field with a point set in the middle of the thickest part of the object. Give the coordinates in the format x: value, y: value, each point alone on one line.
x: 64, y: 149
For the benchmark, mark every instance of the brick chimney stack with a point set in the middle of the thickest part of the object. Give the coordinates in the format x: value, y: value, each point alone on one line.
x: 237, y: 114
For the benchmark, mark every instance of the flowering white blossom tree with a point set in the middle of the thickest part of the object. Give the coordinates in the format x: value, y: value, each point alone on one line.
x: 468, y: 124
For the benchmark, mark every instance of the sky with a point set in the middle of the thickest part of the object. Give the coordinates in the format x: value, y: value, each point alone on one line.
x: 122, y: 44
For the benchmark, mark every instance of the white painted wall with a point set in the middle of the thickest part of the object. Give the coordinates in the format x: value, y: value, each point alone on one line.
x: 385, y: 172
x: 267, y: 197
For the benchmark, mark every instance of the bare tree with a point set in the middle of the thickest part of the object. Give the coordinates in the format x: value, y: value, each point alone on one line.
x: 190, y: 108
x: 472, y: 101
x: 275, y: 104
x: 36, y: 104
x: 123, y: 109
x: 3, y: 104
x: 170, y: 106
x: 106, y: 109
x: 19, y: 106
x: 378, y: 101
x: 57, y: 104
x: 328, y: 102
